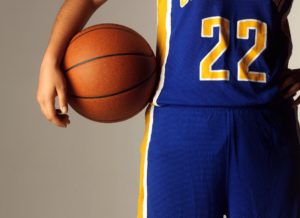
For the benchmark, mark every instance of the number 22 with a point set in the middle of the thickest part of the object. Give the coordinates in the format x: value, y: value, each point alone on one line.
x: 243, y: 26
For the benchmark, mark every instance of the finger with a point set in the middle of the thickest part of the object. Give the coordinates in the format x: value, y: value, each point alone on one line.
x: 59, y: 112
x: 289, y: 81
x: 287, y: 72
x: 66, y: 120
x: 62, y: 98
x: 291, y: 91
x: 63, y: 117
x: 289, y: 77
x: 51, y: 113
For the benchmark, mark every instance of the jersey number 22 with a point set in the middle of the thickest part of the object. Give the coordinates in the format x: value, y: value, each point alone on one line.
x: 243, y: 27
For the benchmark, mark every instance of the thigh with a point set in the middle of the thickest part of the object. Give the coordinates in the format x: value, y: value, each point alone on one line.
x: 264, y: 160
x: 183, y: 167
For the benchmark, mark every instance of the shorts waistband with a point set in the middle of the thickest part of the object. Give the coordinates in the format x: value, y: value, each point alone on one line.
x: 274, y: 107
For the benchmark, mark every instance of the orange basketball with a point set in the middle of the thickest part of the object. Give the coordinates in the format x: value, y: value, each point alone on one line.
x: 110, y: 71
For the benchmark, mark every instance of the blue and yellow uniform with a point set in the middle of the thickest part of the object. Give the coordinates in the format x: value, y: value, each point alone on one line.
x: 219, y: 137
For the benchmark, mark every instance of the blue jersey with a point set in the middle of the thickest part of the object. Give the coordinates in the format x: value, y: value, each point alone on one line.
x: 221, y: 52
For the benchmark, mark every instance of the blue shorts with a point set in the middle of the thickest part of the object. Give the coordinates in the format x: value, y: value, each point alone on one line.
x: 204, y: 162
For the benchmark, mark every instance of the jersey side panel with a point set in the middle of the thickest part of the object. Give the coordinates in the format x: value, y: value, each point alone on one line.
x: 163, y: 41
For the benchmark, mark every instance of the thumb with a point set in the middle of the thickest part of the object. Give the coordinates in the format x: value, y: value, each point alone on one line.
x: 62, y: 99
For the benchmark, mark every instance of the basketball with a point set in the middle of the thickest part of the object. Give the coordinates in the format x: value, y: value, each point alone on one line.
x: 110, y: 71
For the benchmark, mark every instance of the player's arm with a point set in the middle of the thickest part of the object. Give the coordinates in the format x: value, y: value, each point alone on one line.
x: 290, y: 77
x: 72, y: 17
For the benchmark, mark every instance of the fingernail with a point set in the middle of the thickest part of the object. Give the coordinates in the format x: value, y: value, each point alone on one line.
x: 64, y: 109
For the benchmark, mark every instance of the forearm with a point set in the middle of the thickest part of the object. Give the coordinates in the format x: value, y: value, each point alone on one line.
x: 72, y: 17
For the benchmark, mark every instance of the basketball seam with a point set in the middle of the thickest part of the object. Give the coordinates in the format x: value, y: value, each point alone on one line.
x: 120, y: 54
x: 105, y: 96
x: 105, y: 28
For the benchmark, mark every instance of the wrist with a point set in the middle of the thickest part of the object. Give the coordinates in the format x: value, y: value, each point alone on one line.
x: 51, y: 61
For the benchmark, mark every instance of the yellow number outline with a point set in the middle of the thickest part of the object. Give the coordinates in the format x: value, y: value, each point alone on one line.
x: 243, y: 28
x: 183, y: 3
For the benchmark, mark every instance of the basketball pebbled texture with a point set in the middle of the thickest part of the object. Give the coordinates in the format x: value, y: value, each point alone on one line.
x: 110, y: 72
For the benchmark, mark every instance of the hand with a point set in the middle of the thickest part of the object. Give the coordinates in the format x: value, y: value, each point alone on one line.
x: 52, y: 83
x: 290, y: 85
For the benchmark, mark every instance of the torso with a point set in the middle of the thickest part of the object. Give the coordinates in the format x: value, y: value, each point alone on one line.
x: 221, y: 52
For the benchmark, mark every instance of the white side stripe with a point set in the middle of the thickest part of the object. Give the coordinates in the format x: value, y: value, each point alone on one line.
x: 163, y: 69
x: 146, y: 163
